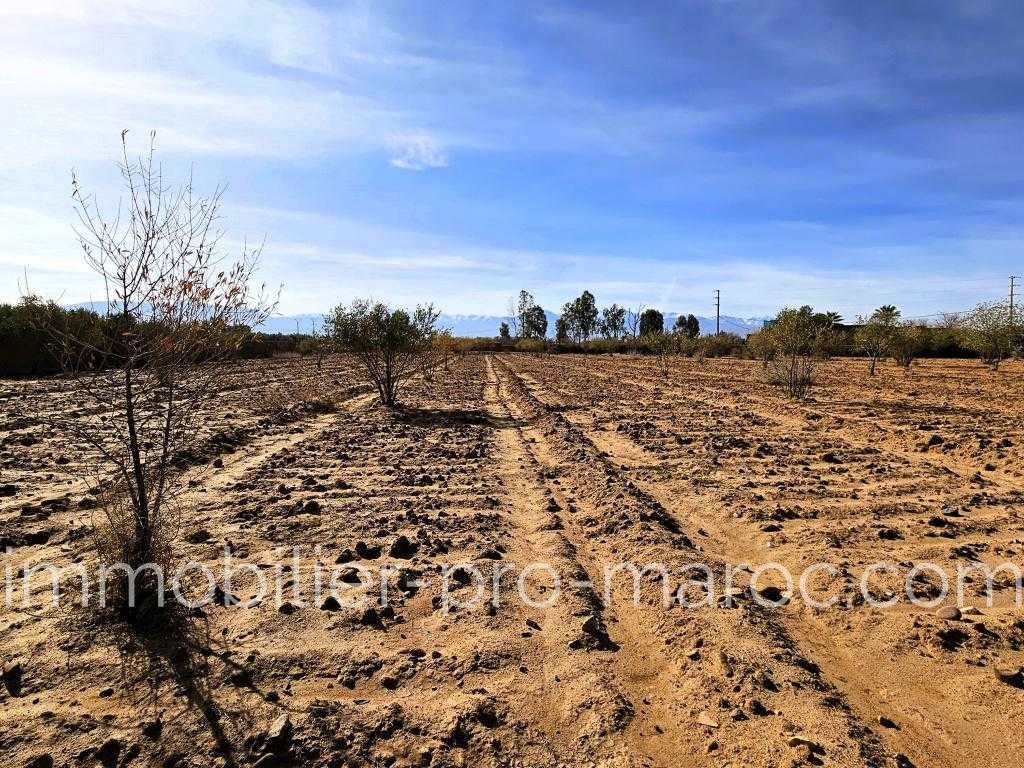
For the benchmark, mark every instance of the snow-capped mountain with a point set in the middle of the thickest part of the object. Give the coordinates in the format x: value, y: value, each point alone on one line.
x: 482, y: 325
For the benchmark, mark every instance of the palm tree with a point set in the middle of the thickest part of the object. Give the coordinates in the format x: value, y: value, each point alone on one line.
x: 886, y: 314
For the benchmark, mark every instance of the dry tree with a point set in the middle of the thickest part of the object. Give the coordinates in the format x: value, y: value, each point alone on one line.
x: 176, y: 313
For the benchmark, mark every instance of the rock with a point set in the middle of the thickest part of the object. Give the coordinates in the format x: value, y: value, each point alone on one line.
x: 8, y: 489
x: 402, y: 548
x: 109, y: 752
x: 349, y: 575
x: 152, y: 729
x: 311, y: 507
x: 595, y: 635
x: 279, y: 735
x: 409, y: 581
x: 225, y: 599
x: 40, y: 761
x: 773, y: 595
x: 12, y: 677
x: 371, y: 618
x: 199, y: 537
x: 330, y: 604
x: 287, y: 608
x: 1010, y: 675
x: 948, y: 613
x: 367, y: 551
x: 755, y: 707
x: 885, y: 722
x: 106, y: 693
x: 703, y: 718
x: 801, y: 741
x: 218, y: 463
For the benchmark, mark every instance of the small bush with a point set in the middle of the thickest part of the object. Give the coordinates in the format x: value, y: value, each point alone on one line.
x: 533, y: 346
x: 721, y: 345
x: 390, y: 344
x: 796, y: 334
x: 906, y: 342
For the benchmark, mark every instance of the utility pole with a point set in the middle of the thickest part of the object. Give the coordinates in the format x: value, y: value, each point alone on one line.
x: 1013, y: 327
x: 718, y: 311
x: 1013, y: 281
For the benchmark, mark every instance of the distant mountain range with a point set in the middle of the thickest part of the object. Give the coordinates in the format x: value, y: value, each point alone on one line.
x: 488, y: 325
x: 477, y: 325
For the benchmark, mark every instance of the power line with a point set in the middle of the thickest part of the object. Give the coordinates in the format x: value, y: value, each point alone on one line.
x: 718, y: 311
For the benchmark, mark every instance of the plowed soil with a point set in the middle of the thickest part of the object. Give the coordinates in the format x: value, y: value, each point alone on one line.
x: 519, y: 468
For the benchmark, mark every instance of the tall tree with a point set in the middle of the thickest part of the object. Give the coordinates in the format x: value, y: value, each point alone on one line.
x: 581, y: 317
x: 535, y: 323
x: 688, y: 325
x: 613, y: 322
x: 651, y: 322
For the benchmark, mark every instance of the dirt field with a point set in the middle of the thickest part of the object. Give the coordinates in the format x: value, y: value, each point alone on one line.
x: 577, y: 463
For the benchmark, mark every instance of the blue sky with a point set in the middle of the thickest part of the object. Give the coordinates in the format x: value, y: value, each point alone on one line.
x: 832, y: 153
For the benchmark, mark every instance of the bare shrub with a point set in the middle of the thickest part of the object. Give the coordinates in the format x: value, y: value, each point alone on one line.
x: 795, y: 373
x: 180, y: 314
x: 391, y: 344
x: 664, y: 345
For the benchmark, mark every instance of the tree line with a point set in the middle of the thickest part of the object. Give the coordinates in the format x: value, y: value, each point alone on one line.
x: 581, y: 321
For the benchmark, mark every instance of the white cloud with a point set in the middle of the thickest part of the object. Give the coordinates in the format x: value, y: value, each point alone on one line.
x: 418, y: 153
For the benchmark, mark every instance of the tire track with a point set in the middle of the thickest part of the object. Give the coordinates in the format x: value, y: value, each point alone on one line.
x: 773, y: 631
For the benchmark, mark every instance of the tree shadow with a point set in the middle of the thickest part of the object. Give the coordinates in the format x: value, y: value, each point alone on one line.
x: 175, y: 647
x: 442, y: 417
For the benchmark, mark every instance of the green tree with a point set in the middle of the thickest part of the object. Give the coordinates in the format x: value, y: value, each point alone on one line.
x: 986, y: 330
x: 651, y: 322
x: 795, y: 336
x: 887, y: 314
x: 613, y: 322
x: 581, y: 317
x: 873, y: 339
x: 688, y: 325
x: 906, y: 342
x: 535, y: 323
x: 389, y: 343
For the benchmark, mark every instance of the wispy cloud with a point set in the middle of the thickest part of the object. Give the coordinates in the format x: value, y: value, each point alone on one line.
x: 417, y: 153
x: 784, y: 152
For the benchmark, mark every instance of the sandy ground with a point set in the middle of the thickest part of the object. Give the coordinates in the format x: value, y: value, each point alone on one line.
x: 577, y: 463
